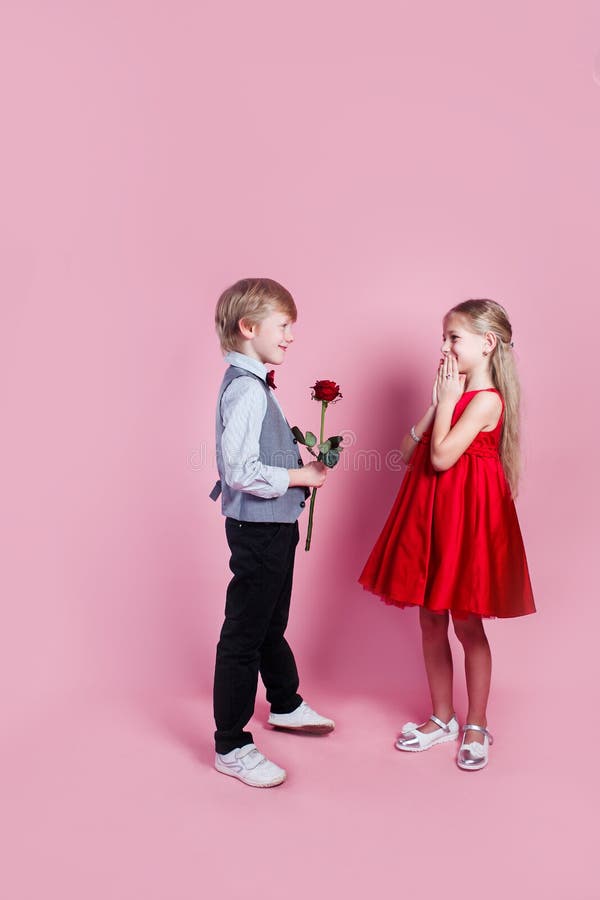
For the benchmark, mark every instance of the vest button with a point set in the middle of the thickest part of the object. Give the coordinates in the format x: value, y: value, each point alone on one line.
x: 295, y: 440
x: 302, y: 503
x: 300, y: 461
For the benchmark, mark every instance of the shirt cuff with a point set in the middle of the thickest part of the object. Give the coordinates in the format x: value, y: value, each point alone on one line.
x: 280, y: 480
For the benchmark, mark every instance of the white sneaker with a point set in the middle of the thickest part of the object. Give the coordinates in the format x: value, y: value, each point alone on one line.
x: 302, y: 719
x: 250, y: 766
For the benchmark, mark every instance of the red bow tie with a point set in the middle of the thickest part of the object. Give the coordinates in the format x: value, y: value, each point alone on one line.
x: 271, y: 379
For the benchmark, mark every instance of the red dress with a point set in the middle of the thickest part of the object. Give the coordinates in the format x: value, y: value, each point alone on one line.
x: 452, y: 540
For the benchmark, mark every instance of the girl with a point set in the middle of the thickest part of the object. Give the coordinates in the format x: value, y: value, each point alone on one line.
x: 452, y: 543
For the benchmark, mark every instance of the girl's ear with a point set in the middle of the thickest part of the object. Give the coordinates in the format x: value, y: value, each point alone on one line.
x: 247, y: 329
x: 490, y: 342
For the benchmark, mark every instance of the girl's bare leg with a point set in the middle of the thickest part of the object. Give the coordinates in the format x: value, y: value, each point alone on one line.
x: 438, y: 665
x: 478, y: 670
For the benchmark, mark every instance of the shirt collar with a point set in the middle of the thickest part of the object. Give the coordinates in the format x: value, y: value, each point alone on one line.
x: 241, y: 361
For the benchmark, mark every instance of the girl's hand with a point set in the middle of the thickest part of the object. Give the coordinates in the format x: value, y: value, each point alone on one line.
x: 449, y: 385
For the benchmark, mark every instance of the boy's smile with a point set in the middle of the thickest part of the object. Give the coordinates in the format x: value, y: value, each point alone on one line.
x: 268, y: 340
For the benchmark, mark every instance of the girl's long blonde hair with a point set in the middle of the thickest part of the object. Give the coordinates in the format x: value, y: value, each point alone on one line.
x: 483, y: 316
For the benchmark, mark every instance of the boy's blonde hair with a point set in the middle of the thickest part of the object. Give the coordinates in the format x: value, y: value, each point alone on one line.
x: 483, y: 316
x: 252, y: 299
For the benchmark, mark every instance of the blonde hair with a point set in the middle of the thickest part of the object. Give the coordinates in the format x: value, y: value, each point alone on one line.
x: 483, y: 316
x: 252, y: 299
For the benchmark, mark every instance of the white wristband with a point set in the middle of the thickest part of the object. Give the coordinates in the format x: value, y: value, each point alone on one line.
x: 414, y: 435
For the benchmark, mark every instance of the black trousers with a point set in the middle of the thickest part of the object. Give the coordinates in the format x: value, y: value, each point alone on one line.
x: 252, y: 637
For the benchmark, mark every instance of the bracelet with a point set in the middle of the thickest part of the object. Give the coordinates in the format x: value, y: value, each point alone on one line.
x: 414, y: 435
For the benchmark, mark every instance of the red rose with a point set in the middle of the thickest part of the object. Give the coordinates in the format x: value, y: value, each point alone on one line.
x: 326, y: 390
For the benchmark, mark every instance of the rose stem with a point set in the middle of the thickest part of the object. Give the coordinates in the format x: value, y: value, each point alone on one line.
x: 314, y: 490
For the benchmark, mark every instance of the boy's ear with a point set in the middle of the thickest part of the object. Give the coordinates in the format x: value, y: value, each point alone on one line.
x: 247, y: 329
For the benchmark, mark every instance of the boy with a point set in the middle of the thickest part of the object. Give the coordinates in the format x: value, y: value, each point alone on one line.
x: 263, y: 484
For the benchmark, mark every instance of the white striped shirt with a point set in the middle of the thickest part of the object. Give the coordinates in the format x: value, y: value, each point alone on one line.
x: 243, y: 408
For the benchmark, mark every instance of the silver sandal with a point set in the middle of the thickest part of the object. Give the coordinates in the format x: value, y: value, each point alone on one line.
x: 413, y: 740
x: 474, y: 756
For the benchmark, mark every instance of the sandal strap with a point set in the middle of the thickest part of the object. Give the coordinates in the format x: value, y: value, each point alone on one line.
x: 469, y: 727
x: 443, y: 725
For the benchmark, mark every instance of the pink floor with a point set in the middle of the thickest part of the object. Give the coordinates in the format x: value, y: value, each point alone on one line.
x: 117, y: 803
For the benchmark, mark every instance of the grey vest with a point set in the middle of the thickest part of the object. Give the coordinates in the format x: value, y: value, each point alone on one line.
x: 278, y: 447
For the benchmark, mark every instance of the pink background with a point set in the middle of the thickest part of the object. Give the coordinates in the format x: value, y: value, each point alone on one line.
x: 384, y: 161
